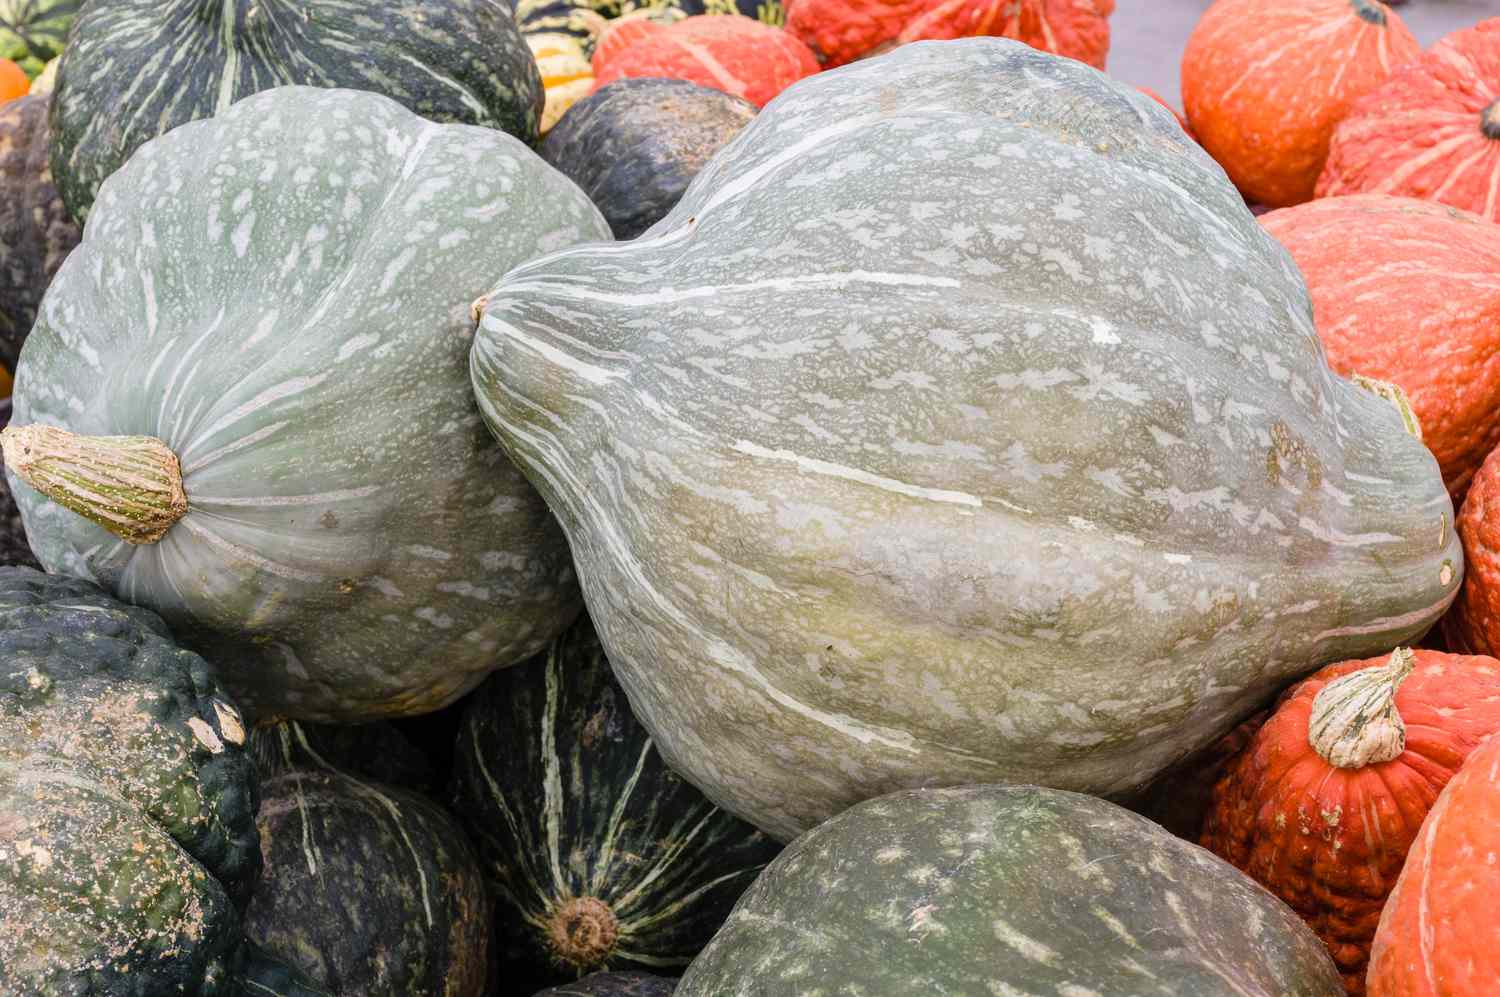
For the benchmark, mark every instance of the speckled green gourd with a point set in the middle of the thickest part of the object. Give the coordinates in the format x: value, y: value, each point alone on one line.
x: 1010, y: 890
x: 599, y: 856
x: 127, y: 806
x: 135, y: 69
x: 282, y: 296
x: 958, y: 425
x: 368, y: 888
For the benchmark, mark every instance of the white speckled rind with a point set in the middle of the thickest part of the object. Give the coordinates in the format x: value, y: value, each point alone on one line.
x: 958, y: 425
x: 283, y: 295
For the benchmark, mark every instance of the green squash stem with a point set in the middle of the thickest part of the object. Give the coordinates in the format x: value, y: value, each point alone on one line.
x: 130, y: 485
x: 1354, y: 720
x: 1392, y: 393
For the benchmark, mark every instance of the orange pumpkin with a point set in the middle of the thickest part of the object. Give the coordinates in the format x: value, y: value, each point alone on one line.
x: 1473, y: 623
x: 1437, y: 935
x: 13, y: 81
x: 621, y: 33
x: 1264, y: 82
x: 1323, y: 803
x: 840, y: 31
x: 1432, y: 131
x: 1408, y: 291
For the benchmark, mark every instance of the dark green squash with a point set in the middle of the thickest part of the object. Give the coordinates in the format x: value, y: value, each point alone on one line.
x: 127, y: 806
x: 14, y: 548
x: 635, y: 145
x: 36, y: 233
x: 32, y: 32
x: 134, y: 69
x: 1009, y: 890
x: 369, y: 888
x: 600, y: 857
x: 614, y: 985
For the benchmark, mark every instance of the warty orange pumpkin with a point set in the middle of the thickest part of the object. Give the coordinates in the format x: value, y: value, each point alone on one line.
x: 1431, y: 131
x: 1323, y: 803
x: 1473, y: 622
x: 1264, y: 82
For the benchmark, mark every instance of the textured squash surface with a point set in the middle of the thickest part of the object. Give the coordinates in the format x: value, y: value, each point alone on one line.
x: 1473, y: 625
x: 1432, y: 131
x: 1006, y: 890
x: 1437, y: 933
x: 613, y: 985
x: 281, y: 295
x: 1265, y: 82
x: 1408, y: 291
x: 887, y: 466
x: 135, y: 69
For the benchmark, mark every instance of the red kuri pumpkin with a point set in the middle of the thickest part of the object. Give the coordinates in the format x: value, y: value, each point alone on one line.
x: 1473, y: 622
x: 840, y: 31
x: 727, y: 52
x: 1432, y: 131
x: 1264, y: 82
x: 1438, y: 934
x: 1408, y: 291
x: 621, y: 33
x: 1323, y: 803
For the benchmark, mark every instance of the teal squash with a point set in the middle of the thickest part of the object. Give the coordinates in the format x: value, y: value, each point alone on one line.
x: 135, y: 69
x: 600, y: 857
x: 32, y: 32
x: 257, y: 357
x: 127, y: 806
x: 1006, y: 890
x: 919, y: 445
x: 368, y: 888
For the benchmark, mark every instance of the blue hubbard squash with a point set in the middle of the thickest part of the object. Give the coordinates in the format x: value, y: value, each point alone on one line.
x: 127, y: 806
x: 248, y: 390
x: 958, y: 425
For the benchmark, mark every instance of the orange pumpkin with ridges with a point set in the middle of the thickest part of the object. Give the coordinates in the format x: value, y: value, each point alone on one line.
x: 1264, y: 82
x: 1324, y: 802
x: 1408, y: 291
x: 1432, y: 131
x: 1473, y: 622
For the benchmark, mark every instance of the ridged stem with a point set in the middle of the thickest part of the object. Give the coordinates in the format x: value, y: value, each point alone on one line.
x: 1489, y: 121
x: 130, y: 485
x: 1392, y: 393
x: 1354, y: 719
x: 582, y: 932
x: 1369, y: 11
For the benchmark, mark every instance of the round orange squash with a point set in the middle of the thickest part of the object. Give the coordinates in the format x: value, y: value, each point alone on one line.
x: 1264, y: 82
x: 1473, y: 622
x: 1432, y: 131
x: 1437, y: 936
x: 13, y: 81
x: 1323, y: 803
x: 1408, y: 291
x: 840, y: 31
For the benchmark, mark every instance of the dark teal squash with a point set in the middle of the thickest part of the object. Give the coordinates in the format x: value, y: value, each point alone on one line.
x: 135, y: 69
x: 599, y: 855
x: 14, y: 548
x: 635, y: 145
x: 369, y: 888
x: 1009, y: 890
x: 613, y: 985
x: 127, y: 806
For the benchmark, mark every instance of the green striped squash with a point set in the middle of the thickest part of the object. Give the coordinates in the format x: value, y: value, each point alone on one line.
x: 32, y: 32
x: 600, y: 856
x: 135, y: 69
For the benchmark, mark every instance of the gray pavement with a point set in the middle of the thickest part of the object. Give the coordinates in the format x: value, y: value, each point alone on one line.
x: 1148, y: 36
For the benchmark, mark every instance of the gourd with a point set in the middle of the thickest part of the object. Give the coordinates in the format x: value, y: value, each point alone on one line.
x: 32, y: 32
x: 567, y: 75
x: 268, y: 322
x: 735, y: 54
x: 1436, y: 934
x: 599, y: 856
x: 841, y: 31
x: 966, y: 482
x: 457, y: 61
x: 1323, y: 803
x: 1431, y: 131
x: 368, y: 888
x: 1473, y: 625
x: 635, y: 145
x: 36, y: 234
x: 1408, y: 291
x: 613, y: 985
x: 1006, y: 890
x: 128, y: 841
x: 1264, y: 83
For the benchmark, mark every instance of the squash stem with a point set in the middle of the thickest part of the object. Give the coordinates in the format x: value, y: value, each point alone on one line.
x: 1489, y: 121
x: 1392, y: 393
x: 130, y: 485
x: 1354, y: 721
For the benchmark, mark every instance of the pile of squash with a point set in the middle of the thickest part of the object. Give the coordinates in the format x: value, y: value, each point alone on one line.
x: 731, y: 499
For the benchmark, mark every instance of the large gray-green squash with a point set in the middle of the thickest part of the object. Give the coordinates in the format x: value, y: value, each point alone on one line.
x: 1009, y: 890
x: 277, y: 303
x: 958, y: 425
x: 135, y: 69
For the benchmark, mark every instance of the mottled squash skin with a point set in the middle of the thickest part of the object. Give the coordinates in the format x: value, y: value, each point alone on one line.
x: 1006, y: 890
x: 613, y: 985
x: 635, y: 145
x: 127, y: 805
